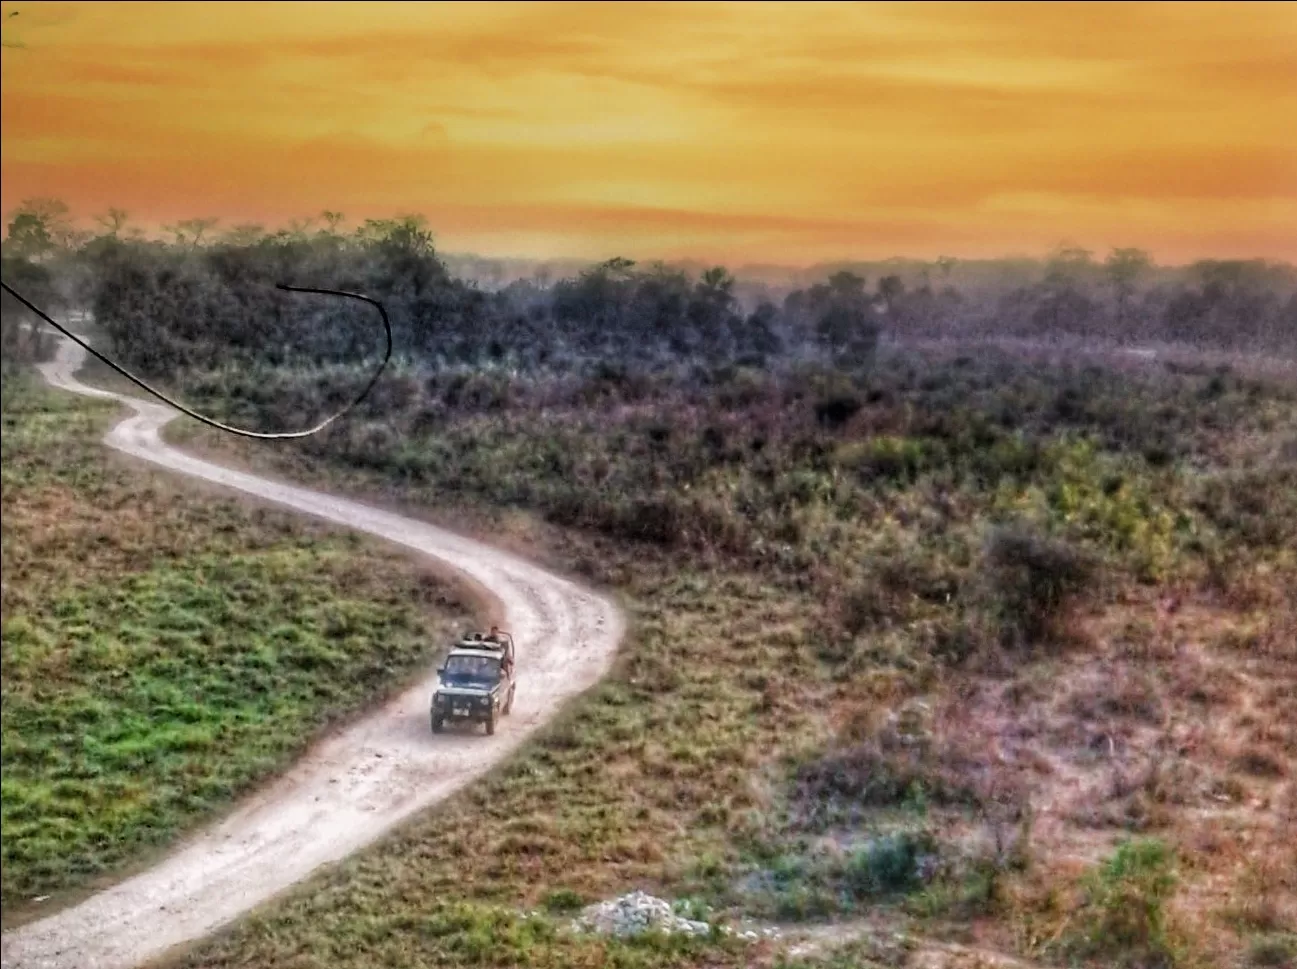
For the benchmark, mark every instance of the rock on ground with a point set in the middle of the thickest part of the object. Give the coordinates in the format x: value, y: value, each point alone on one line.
x: 640, y: 912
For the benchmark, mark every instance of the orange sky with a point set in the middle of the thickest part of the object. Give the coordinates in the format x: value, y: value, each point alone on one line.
x: 730, y: 132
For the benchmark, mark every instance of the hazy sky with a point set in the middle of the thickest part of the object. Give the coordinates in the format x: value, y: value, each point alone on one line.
x: 732, y: 132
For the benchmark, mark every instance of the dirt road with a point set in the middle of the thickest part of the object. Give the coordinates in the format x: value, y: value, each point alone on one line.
x: 352, y: 787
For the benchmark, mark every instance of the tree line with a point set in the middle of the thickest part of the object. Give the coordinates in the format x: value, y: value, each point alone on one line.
x: 201, y: 296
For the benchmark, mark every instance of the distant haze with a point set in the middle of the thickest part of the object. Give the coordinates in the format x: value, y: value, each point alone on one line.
x: 739, y: 134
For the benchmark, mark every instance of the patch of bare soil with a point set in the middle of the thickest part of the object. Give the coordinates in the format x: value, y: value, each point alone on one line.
x: 1177, y: 723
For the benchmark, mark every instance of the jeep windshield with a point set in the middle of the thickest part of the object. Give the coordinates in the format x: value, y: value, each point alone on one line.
x: 478, y: 672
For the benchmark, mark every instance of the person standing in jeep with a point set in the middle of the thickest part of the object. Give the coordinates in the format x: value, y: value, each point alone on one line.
x: 495, y: 636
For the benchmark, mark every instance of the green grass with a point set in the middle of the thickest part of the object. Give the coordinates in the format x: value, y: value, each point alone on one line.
x: 648, y: 772
x: 165, y: 650
x: 475, y: 934
x: 1117, y: 915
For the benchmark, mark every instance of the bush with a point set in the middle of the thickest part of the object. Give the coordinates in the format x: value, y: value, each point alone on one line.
x: 1031, y: 581
x: 834, y: 411
x: 864, y: 606
x: 1122, y: 917
x: 562, y: 901
x: 880, y: 771
x: 1274, y: 950
x: 897, y: 460
x: 894, y: 586
x: 887, y: 865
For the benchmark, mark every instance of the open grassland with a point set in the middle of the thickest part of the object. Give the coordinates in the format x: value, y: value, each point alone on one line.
x: 1005, y: 656
x: 165, y: 649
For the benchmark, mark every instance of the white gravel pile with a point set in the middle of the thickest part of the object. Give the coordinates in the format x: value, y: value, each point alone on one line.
x: 635, y: 913
x: 641, y: 912
x: 754, y: 933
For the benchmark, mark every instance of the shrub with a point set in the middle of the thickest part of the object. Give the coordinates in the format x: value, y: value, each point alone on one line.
x: 1031, y: 582
x: 865, y: 605
x: 562, y: 901
x: 881, y: 771
x: 886, y: 865
x: 892, y: 459
x: 893, y: 587
x: 1122, y: 918
x: 1274, y: 950
x: 834, y: 411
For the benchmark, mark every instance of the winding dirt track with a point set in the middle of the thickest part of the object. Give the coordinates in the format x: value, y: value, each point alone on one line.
x: 352, y: 787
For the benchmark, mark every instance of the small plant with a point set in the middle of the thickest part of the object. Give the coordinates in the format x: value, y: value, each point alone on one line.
x: 562, y: 901
x: 692, y: 908
x: 1122, y: 918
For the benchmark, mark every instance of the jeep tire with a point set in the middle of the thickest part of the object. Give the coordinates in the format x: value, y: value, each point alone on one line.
x: 508, y: 703
x: 437, y: 724
x: 490, y: 724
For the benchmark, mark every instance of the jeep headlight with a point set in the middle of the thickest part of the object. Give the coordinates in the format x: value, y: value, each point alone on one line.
x: 439, y: 700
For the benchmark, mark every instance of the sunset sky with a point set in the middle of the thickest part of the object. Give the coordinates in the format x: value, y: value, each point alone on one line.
x: 730, y: 132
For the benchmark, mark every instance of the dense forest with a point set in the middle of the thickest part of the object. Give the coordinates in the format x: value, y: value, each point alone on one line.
x: 203, y: 298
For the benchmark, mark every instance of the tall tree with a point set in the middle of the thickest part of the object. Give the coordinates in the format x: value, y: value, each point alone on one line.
x: 20, y: 339
x: 711, y: 311
x: 891, y: 289
x: 332, y: 220
x: 408, y: 233
x: 243, y: 234
x: 113, y: 221
x: 1068, y: 265
x: 1124, y: 268
x: 189, y: 233
x: 1065, y: 306
x: 846, y: 324
x: 39, y: 228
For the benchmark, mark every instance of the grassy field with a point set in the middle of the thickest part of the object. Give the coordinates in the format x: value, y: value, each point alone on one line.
x: 998, y: 655
x: 165, y: 649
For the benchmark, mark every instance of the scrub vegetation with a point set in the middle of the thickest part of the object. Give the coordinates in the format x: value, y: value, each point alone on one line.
x: 935, y: 629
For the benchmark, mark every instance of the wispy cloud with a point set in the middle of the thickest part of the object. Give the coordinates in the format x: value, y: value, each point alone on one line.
x: 748, y: 131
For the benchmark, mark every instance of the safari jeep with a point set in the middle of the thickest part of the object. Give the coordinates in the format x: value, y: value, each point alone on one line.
x: 476, y: 682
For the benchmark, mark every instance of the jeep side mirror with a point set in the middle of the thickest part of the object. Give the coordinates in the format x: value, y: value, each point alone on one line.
x: 441, y: 670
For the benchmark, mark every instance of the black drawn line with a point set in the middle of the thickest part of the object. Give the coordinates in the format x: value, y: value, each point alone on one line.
x: 261, y: 435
